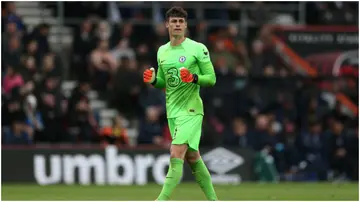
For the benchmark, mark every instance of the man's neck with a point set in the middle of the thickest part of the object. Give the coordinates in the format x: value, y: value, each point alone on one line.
x: 176, y: 40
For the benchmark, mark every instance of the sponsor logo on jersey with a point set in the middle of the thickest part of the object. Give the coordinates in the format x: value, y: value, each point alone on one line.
x: 205, y: 52
x: 182, y: 59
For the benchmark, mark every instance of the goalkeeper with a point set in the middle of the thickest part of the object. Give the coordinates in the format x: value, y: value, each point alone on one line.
x: 183, y: 67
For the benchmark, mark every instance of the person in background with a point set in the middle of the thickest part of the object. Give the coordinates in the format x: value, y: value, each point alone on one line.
x: 12, y: 52
x: 150, y: 129
x: 83, y: 43
x: 339, y: 151
x: 102, y: 65
x: 11, y: 80
x: 115, y: 134
x: 80, y: 116
x: 12, y: 16
x: 34, y: 122
x: 49, y: 96
x: 238, y: 135
x: 312, y: 149
x: 18, y: 134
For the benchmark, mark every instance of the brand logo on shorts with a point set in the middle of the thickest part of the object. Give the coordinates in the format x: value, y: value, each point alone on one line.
x: 221, y: 160
x: 182, y: 59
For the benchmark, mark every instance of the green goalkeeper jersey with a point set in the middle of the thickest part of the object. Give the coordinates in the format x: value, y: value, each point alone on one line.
x: 183, y: 99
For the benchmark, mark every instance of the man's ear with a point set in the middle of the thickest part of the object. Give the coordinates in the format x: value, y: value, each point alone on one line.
x: 167, y: 24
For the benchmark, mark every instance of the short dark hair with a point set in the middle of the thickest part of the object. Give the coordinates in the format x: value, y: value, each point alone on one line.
x: 176, y: 12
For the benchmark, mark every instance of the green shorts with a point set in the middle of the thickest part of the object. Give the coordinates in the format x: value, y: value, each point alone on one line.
x: 186, y: 130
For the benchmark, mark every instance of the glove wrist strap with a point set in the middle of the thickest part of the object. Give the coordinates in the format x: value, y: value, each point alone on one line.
x: 154, y: 82
x: 195, y: 78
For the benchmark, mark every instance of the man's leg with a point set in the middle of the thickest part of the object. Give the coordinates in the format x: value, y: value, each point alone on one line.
x: 201, y: 173
x: 175, y: 171
x: 177, y: 154
x: 198, y: 167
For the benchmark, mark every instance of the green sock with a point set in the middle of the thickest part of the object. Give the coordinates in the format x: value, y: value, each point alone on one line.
x: 172, y: 178
x: 203, y: 178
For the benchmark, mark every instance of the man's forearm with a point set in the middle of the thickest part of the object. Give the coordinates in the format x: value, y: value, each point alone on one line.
x: 158, y: 83
x: 208, y: 77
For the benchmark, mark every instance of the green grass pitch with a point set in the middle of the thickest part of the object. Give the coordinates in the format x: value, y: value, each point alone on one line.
x: 245, y: 191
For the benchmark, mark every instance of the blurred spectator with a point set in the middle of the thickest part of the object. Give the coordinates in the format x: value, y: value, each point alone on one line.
x: 12, y: 53
x: 162, y: 35
x: 200, y: 32
x: 237, y: 135
x: 222, y: 51
x: 80, y: 117
x: 29, y: 69
x: 127, y: 85
x: 150, y: 129
x: 338, y: 113
x: 102, y: 66
x: 49, y: 66
x: 115, y: 134
x: 103, y: 31
x: 340, y: 158
x: 12, y: 108
x: 40, y: 36
x: 242, y: 54
x: 145, y: 55
x: 12, y: 17
x: 261, y: 134
x: 313, y: 148
x: 152, y: 96
x: 241, y: 70
x: 287, y: 138
x: 11, y: 31
x: 83, y: 43
x: 32, y: 50
x: 123, y: 50
x: 12, y: 79
x: 125, y: 32
x: 50, y: 105
x: 18, y: 134
x: 257, y: 59
x: 260, y: 14
x: 34, y: 121
x: 315, y: 111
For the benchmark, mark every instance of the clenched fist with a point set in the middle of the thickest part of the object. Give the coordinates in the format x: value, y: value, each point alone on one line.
x: 185, y: 75
x: 149, y: 75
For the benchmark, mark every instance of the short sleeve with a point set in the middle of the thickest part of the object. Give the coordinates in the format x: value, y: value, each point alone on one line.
x: 203, y: 54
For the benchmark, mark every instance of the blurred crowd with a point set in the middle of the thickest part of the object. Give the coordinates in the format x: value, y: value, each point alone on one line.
x: 258, y: 102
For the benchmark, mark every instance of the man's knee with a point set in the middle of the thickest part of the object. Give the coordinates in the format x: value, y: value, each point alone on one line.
x: 178, y: 151
x: 192, y: 156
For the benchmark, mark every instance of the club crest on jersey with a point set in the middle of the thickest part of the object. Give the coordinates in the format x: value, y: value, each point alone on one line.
x: 182, y: 59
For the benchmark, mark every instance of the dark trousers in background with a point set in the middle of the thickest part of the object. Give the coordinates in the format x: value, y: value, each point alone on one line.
x: 345, y: 165
x: 101, y: 80
x: 317, y: 169
x: 53, y: 131
x: 80, y: 132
